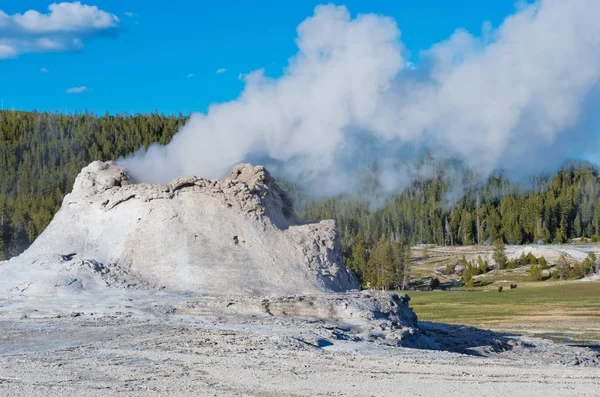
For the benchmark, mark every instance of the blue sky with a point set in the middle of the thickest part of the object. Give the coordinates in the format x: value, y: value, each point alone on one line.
x: 146, y: 62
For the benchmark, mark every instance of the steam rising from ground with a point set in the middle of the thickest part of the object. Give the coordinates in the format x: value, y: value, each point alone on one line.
x: 517, y: 97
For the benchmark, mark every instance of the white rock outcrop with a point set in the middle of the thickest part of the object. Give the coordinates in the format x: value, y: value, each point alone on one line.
x: 238, y: 236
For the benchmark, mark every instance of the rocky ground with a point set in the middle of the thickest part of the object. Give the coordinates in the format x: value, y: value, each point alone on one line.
x: 192, y: 349
x: 122, y: 295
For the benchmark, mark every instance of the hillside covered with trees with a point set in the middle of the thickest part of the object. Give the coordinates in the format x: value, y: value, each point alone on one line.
x: 42, y: 153
x: 554, y: 209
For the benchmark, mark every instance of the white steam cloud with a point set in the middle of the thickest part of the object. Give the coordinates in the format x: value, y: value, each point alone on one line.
x: 512, y: 98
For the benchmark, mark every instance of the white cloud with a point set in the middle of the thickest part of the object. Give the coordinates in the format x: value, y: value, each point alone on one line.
x: 189, y: 76
x: 131, y: 14
x: 4, y: 19
x: 509, y: 99
x: 49, y: 44
x: 7, y: 51
x: 44, y: 70
x: 63, y: 28
x: 65, y: 17
x: 221, y: 70
x: 77, y: 90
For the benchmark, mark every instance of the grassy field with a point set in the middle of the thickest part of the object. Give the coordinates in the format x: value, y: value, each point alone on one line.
x: 570, y: 309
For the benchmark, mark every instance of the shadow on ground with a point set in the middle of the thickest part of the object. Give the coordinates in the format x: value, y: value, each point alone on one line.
x: 471, y: 340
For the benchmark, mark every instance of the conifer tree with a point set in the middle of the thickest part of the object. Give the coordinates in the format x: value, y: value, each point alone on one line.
x: 499, y: 254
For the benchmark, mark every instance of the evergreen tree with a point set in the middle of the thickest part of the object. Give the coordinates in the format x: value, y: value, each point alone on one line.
x: 482, y: 265
x: 577, y: 227
x: 535, y: 273
x: 402, y: 255
x: 499, y: 254
x: 543, y: 263
x: 467, y: 275
x: 562, y: 267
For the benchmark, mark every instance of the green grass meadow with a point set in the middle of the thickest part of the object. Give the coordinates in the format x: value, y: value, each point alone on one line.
x: 571, y: 308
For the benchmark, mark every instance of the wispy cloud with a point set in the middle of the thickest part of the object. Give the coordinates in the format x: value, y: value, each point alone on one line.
x: 221, y: 70
x: 77, y: 90
x: 63, y: 28
x: 189, y: 76
x: 44, y: 70
x: 130, y: 14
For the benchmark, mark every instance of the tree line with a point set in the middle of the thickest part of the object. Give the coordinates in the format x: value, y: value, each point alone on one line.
x: 42, y: 153
x: 554, y: 209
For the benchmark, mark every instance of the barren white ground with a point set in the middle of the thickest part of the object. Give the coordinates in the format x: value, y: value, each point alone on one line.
x: 206, y: 355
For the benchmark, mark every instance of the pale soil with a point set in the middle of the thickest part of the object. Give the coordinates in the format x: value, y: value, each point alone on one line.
x: 156, y: 354
x: 440, y: 255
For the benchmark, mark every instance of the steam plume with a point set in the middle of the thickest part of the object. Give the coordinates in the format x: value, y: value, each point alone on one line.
x: 516, y: 97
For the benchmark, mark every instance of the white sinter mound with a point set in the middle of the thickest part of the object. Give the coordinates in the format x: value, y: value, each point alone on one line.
x: 216, y: 287
x: 236, y: 236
